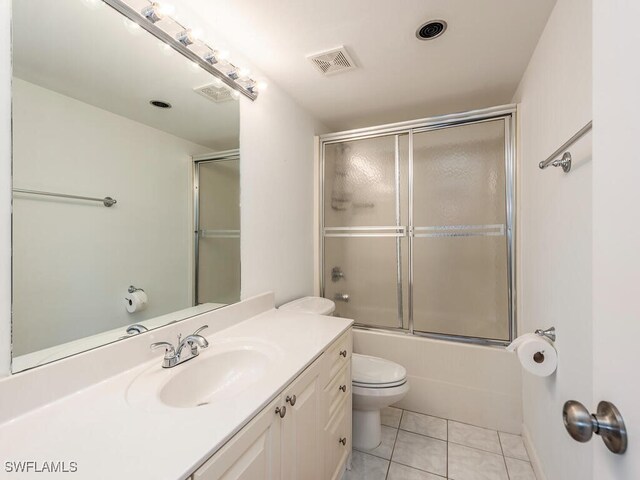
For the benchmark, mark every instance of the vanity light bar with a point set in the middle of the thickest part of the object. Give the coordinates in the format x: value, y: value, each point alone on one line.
x: 213, y: 61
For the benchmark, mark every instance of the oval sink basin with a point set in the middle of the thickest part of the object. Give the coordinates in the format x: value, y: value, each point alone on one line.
x: 218, y: 377
x: 221, y: 372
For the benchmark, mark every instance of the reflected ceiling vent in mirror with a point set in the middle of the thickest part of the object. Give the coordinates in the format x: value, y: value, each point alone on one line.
x: 333, y: 61
x: 215, y: 93
x: 431, y: 29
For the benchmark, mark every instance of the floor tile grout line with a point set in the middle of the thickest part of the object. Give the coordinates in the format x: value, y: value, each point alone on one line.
x: 456, y: 421
x: 504, y: 460
x: 419, y: 469
x: 476, y: 448
x: 393, y: 448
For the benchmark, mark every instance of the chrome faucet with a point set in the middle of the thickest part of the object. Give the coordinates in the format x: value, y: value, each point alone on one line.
x: 173, y: 356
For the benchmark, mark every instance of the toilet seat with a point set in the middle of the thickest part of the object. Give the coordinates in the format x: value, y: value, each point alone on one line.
x: 373, y: 372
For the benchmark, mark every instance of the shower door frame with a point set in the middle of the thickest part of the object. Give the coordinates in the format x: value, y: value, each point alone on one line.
x: 503, y: 112
x: 196, y: 160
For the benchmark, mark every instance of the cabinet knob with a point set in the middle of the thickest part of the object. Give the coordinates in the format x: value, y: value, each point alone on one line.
x: 343, y: 353
x: 343, y: 388
x: 282, y: 411
x: 291, y: 399
x: 343, y: 440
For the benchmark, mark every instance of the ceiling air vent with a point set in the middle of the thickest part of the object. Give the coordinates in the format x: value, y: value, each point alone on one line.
x: 332, y: 61
x: 214, y: 93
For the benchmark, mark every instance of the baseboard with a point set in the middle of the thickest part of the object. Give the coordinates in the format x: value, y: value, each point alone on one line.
x: 533, y: 454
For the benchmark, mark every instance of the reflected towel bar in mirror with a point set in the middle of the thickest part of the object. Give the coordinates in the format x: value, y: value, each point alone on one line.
x: 565, y: 160
x: 106, y: 201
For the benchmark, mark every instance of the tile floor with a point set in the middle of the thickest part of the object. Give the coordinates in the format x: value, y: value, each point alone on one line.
x: 420, y: 447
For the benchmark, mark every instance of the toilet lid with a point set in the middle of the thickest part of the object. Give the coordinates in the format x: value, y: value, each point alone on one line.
x: 375, y: 372
x: 316, y: 305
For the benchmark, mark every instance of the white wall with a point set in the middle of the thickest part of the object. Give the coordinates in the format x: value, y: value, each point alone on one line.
x: 468, y: 383
x: 616, y: 232
x: 554, y: 281
x: 5, y: 187
x: 277, y: 196
x: 73, y: 260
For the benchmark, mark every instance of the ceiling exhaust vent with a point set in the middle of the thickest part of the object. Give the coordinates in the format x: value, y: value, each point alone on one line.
x: 214, y: 93
x: 332, y: 61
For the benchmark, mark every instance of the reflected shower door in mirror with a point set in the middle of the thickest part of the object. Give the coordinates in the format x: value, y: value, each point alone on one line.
x: 417, y: 228
x: 101, y: 108
x: 217, y: 232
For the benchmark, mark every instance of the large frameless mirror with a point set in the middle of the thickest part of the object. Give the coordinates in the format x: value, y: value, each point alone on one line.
x: 109, y: 127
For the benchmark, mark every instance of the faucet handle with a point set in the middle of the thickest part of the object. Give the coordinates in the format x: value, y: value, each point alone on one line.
x: 169, y: 350
x: 197, y: 332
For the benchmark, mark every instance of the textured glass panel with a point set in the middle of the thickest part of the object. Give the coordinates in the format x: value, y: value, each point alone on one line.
x: 360, y: 183
x: 369, y: 279
x: 460, y: 286
x: 219, y: 195
x: 219, y: 242
x: 459, y: 175
x: 219, y: 272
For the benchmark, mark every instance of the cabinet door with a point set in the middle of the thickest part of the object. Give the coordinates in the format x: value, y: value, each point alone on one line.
x: 253, y: 454
x: 338, y: 441
x: 302, y: 452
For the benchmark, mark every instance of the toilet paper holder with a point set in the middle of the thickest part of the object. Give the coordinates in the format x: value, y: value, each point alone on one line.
x: 550, y: 333
x: 132, y: 289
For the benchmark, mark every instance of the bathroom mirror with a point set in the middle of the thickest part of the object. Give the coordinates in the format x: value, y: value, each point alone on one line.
x: 110, y: 126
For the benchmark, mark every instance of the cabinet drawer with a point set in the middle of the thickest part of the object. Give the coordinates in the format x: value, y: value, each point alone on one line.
x: 337, y: 391
x: 337, y: 441
x: 336, y: 357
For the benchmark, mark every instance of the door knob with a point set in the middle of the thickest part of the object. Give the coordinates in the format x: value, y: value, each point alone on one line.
x: 606, y: 422
x: 343, y: 440
x: 291, y: 399
x: 282, y: 411
x: 343, y: 388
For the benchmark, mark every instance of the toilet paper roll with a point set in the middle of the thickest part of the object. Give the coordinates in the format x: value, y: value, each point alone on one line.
x: 136, y: 301
x: 537, y: 354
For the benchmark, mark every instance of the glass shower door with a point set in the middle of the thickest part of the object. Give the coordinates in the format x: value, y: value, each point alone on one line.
x: 218, y: 231
x: 364, y: 238
x: 460, y: 271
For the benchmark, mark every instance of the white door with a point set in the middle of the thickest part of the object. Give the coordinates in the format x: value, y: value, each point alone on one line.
x: 616, y: 227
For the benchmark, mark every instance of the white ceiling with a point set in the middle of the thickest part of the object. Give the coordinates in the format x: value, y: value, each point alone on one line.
x: 88, y: 53
x: 477, y: 63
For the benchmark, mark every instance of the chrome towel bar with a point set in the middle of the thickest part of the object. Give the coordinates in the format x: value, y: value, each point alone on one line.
x: 106, y: 201
x: 565, y: 160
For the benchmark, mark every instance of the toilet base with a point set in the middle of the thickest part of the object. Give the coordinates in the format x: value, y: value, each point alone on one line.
x: 367, y: 433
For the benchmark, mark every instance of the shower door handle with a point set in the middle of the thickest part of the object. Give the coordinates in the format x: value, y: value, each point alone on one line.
x: 341, y: 297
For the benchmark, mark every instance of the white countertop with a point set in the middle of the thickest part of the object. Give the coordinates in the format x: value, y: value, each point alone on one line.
x: 109, y: 438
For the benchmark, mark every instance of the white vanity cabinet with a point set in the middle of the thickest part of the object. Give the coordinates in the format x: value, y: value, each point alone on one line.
x: 304, y: 434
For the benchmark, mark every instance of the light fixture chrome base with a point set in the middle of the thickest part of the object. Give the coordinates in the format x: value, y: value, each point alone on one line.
x: 606, y: 422
x: 564, y: 162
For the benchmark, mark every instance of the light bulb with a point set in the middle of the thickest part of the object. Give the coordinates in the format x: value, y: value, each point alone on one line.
x: 235, y: 94
x: 156, y: 11
x: 166, y: 9
x: 243, y: 72
x: 223, y: 54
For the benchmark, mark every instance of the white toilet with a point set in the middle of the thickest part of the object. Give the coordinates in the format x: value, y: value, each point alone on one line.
x: 377, y: 383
